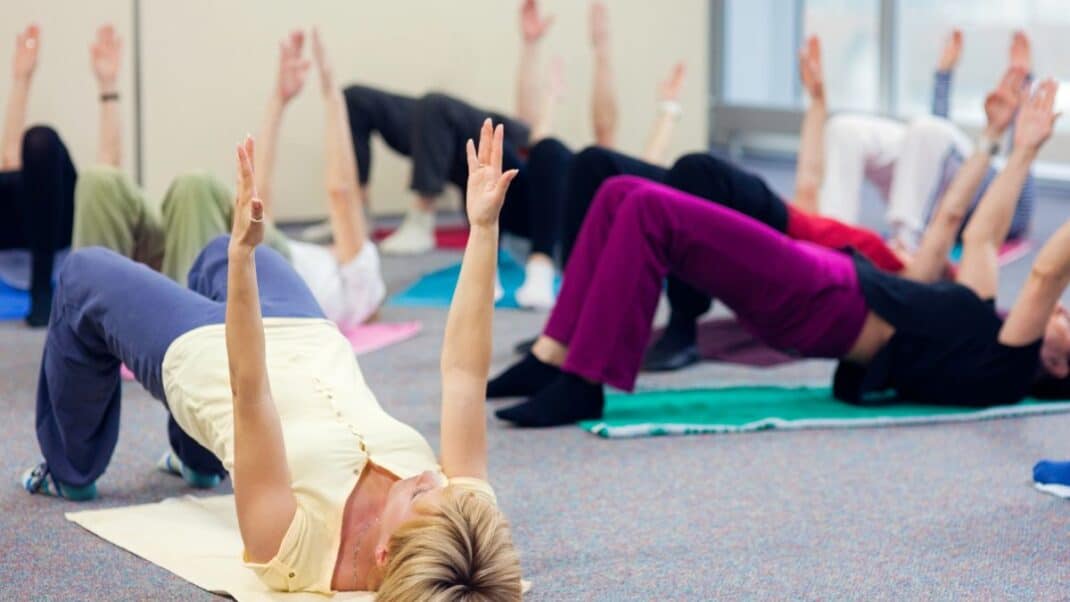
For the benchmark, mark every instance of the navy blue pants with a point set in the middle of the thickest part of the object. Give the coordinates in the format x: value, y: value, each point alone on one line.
x: 109, y: 310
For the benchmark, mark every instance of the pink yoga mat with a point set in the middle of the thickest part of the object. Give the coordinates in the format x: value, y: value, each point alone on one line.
x: 364, y: 338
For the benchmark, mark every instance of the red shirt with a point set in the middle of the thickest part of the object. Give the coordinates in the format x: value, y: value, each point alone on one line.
x: 828, y: 232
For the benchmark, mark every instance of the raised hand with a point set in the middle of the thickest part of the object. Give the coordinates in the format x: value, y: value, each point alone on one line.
x: 599, y: 24
x: 949, y: 56
x: 323, y: 65
x: 27, y: 45
x: 533, y: 25
x: 1001, y: 103
x: 486, y: 182
x: 248, y: 227
x: 105, y: 54
x: 810, y: 70
x: 669, y: 90
x: 292, y: 68
x: 1021, y: 55
x: 1036, y: 119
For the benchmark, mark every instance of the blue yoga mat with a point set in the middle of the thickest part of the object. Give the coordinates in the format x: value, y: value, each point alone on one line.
x: 436, y: 289
x: 14, y: 304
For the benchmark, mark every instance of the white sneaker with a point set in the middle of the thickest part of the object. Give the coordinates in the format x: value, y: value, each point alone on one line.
x: 537, y: 292
x: 415, y: 235
x: 320, y: 233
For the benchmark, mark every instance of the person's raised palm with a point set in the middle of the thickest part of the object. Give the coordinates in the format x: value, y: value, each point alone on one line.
x: 292, y: 68
x: 810, y: 70
x: 486, y: 182
x: 949, y: 56
x: 27, y: 45
x: 533, y: 25
x: 1001, y: 103
x: 1036, y: 119
x: 105, y: 54
x: 669, y: 90
x: 247, y: 229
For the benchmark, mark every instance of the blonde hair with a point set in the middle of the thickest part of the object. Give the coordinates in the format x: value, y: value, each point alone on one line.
x: 458, y: 549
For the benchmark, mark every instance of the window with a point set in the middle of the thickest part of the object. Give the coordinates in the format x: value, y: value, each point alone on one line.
x: 760, y: 69
x: 849, y: 49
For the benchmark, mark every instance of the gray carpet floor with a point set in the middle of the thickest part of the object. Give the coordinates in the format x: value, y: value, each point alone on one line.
x: 934, y: 512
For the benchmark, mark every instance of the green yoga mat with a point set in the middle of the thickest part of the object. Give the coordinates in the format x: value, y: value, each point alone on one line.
x: 740, y: 409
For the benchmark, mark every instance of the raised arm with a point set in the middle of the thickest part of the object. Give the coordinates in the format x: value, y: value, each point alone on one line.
x: 551, y: 97
x: 262, y: 483
x: 105, y: 56
x: 466, y: 348
x: 603, y: 97
x: 668, y: 114
x: 292, y: 70
x: 27, y: 44
x: 945, y: 67
x: 343, y: 189
x: 991, y: 220
x: 532, y: 28
x: 810, y: 165
x: 930, y: 260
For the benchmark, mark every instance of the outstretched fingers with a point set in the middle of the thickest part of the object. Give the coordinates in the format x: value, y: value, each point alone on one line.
x: 486, y: 134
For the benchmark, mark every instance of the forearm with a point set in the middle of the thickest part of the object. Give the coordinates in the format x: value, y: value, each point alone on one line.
x: 660, y: 135
x: 14, y: 124
x: 991, y: 221
x: 604, y: 100
x: 941, y: 106
x: 810, y: 168
x: 266, y: 149
x: 939, y: 236
x: 109, y: 151
x: 466, y: 347
x: 527, y: 84
x: 244, y: 327
x: 343, y: 189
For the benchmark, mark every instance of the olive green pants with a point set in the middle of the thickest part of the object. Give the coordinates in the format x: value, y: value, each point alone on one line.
x: 110, y: 211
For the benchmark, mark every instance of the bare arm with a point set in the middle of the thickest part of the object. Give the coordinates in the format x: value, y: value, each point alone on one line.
x: 1047, y: 281
x: 810, y: 165
x: 290, y: 80
x: 555, y: 89
x: 603, y: 98
x: 532, y: 28
x: 668, y: 114
x: 262, y: 483
x: 27, y: 44
x: 466, y: 348
x: 105, y: 56
x: 991, y: 221
x: 343, y: 189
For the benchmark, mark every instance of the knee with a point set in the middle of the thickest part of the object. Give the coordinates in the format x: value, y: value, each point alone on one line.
x: 40, y: 142
x: 358, y: 96
x: 82, y: 268
x: 548, y: 146
x: 434, y: 103
x: 195, y: 193
x: 595, y: 161
x: 689, y: 168
x: 616, y: 191
x: 933, y: 130
x: 842, y: 128
x: 97, y: 186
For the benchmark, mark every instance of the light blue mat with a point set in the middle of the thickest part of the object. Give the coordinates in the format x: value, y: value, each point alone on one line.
x: 436, y: 289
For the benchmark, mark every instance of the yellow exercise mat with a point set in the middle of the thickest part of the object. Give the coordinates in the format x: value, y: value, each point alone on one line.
x: 197, y: 539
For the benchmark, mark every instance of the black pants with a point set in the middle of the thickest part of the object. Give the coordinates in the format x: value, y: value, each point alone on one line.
x: 38, y: 205
x: 699, y: 174
x: 533, y: 205
x: 431, y: 130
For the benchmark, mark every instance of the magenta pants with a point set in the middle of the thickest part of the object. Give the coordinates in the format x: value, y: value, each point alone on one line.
x: 791, y: 294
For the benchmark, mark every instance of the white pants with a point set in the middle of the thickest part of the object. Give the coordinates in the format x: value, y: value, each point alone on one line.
x: 905, y: 161
x: 349, y: 293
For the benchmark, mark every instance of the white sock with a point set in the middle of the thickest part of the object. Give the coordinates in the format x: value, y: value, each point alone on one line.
x: 415, y: 235
x: 537, y: 292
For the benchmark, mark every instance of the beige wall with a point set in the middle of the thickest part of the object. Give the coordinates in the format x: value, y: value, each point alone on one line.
x: 207, y: 67
x: 64, y: 92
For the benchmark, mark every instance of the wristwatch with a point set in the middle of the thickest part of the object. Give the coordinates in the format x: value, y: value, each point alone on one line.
x: 990, y: 145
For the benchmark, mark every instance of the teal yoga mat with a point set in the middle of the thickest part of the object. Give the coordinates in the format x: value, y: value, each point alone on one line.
x: 436, y: 289
x: 741, y: 409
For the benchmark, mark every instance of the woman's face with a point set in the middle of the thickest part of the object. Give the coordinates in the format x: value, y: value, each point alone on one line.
x: 1055, y: 351
x: 401, y: 500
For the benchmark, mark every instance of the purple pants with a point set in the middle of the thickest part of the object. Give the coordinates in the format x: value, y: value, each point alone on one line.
x: 790, y: 294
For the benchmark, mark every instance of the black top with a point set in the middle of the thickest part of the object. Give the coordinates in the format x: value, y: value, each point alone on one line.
x: 945, y: 349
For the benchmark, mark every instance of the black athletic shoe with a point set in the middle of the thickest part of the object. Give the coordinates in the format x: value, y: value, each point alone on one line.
x: 671, y: 352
